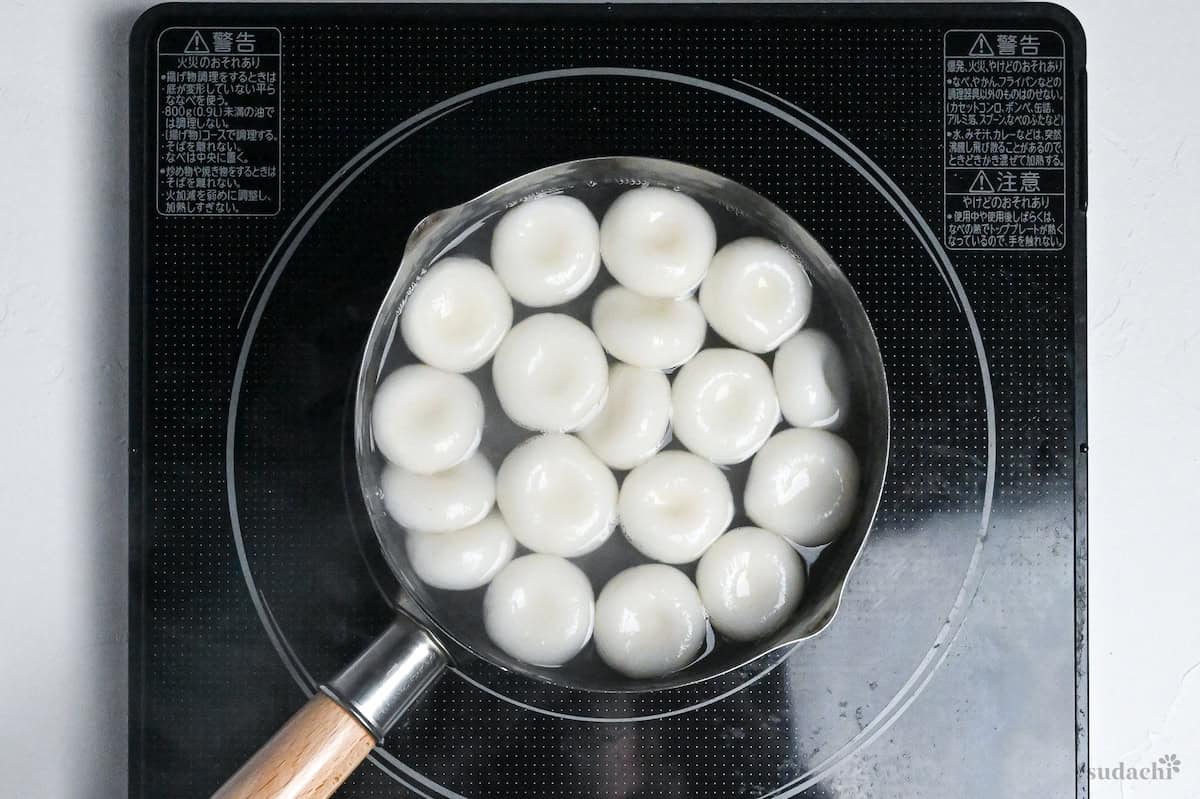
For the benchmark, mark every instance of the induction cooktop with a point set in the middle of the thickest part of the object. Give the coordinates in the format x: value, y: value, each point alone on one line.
x: 281, y: 155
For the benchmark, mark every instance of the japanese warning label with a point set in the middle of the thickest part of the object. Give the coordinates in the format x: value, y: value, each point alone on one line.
x: 218, y: 121
x: 1005, y: 140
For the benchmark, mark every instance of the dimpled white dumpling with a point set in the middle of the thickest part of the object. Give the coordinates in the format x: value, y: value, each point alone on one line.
x: 547, y: 250
x: 633, y: 424
x: 557, y: 496
x: 723, y: 405
x: 550, y: 374
x: 756, y: 294
x: 811, y: 381
x: 435, y: 503
x: 462, y: 559
x: 426, y: 420
x: 674, y: 505
x: 650, y: 621
x: 803, y: 485
x: 648, y: 331
x: 750, y: 581
x: 456, y: 315
x: 657, y: 242
x: 540, y: 610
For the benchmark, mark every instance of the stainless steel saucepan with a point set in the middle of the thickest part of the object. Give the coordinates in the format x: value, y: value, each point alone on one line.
x: 314, y: 752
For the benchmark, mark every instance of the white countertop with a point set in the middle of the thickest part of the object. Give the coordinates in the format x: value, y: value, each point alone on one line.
x: 63, y: 285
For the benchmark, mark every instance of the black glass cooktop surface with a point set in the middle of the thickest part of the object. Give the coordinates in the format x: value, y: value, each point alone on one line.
x: 281, y: 156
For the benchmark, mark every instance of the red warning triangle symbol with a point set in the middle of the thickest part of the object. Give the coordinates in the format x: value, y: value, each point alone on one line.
x: 981, y: 47
x: 196, y: 44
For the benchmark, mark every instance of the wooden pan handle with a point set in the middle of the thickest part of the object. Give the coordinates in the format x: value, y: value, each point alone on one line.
x: 310, y: 756
x: 315, y: 751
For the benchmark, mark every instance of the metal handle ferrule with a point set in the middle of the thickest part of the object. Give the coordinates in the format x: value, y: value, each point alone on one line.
x: 380, y: 685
